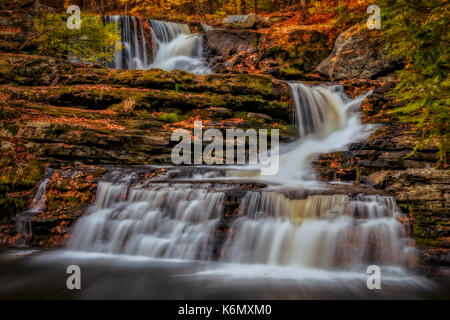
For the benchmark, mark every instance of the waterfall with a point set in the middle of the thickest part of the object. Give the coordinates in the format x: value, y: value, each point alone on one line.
x: 319, y: 231
x: 327, y: 121
x: 160, y: 221
x: 306, y: 229
x: 174, y: 47
x: 317, y: 110
x: 134, y: 52
x: 179, y: 220
x: 24, y: 219
x: 177, y: 48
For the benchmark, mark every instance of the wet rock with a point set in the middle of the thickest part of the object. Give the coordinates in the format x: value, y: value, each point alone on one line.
x: 37, y: 71
x: 435, y: 257
x: 99, y: 116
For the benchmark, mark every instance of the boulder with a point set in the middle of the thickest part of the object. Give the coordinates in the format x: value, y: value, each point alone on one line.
x: 225, y: 43
x: 227, y: 49
x: 285, y: 54
x: 357, y: 53
x: 247, y: 21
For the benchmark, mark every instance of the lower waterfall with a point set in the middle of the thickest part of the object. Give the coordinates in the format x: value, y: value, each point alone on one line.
x: 161, y: 221
x: 178, y: 221
x: 319, y: 231
x: 324, y: 231
x: 224, y: 232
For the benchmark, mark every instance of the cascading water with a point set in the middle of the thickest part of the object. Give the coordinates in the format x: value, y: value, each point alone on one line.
x: 134, y: 52
x: 24, y: 219
x: 319, y: 231
x: 311, y: 233
x: 160, y: 221
x: 327, y: 120
x: 176, y: 221
x: 174, y: 47
x: 177, y: 48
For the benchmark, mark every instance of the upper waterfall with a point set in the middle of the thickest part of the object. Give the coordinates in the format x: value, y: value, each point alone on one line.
x: 134, y: 52
x: 174, y: 46
x: 177, y: 48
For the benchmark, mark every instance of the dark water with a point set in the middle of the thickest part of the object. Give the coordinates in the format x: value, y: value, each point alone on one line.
x: 42, y: 275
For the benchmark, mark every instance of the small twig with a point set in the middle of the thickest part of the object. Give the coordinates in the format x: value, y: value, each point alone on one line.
x: 31, y: 39
x: 55, y: 81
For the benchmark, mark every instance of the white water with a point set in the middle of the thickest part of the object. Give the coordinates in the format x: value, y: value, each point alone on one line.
x: 177, y: 48
x: 327, y: 120
x: 319, y: 232
x: 174, y: 47
x: 134, y: 52
x: 311, y: 233
x: 178, y: 221
x: 160, y: 221
x: 24, y: 219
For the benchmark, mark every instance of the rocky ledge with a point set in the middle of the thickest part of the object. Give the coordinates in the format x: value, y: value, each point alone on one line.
x: 64, y: 112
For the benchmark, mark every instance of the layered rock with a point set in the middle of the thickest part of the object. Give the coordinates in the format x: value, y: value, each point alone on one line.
x: 72, y: 112
x: 60, y: 113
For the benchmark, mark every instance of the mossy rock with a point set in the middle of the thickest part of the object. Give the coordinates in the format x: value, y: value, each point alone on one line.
x: 170, y: 117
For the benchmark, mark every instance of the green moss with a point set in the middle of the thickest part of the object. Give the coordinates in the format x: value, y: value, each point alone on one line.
x: 20, y: 80
x: 18, y: 177
x: 289, y: 72
x: 241, y: 115
x: 170, y: 117
x: 427, y: 227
